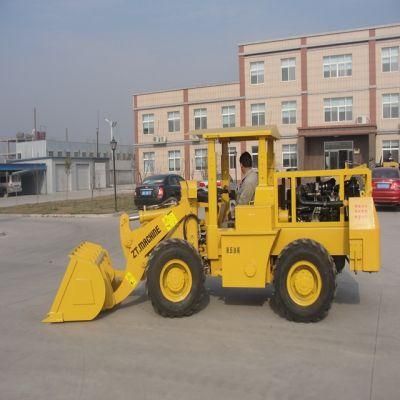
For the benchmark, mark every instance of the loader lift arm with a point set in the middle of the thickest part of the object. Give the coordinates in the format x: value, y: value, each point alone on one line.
x: 91, y: 285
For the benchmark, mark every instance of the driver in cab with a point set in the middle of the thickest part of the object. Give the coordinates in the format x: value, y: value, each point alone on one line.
x: 247, y: 187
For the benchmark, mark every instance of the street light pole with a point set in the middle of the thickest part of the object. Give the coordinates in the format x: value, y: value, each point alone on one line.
x: 113, y: 145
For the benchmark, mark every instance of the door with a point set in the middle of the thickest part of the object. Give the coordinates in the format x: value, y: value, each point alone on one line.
x: 100, y: 175
x: 338, y: 153
x: 82, y: 177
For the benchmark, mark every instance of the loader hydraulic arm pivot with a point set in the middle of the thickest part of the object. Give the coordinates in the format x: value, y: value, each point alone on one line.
x: 91, y: 284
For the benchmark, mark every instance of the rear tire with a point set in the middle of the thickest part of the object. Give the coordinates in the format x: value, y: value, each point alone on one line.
x: 175, y: 279
x: 304, y: 282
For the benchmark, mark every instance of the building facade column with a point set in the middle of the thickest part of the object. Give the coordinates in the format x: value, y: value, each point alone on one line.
x: 372, y: 76
x: 242, y: 94
x: 186, y: 132
x: 301, y: 148
x: 371, y: 149
x: 372, y: 97
x: 136, y: 173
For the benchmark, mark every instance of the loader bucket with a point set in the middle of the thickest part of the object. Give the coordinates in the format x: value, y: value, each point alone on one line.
x: 87, y: 286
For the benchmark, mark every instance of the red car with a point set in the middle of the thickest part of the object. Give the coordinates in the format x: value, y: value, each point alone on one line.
x: 386, y: 186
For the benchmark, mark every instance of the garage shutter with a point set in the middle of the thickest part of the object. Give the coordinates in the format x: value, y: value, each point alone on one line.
x: 61, y: 178
x: 82, y: 176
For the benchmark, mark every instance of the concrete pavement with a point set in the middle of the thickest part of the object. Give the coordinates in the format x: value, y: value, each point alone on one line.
x: 236, y: 348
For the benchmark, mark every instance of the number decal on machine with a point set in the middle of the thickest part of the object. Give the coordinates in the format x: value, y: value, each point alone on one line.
x: 130, y: 278
x: 233, y: 250
x: 170, y: 220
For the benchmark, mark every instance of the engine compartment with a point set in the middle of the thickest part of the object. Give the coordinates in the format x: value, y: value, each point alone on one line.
x: 318, y: 199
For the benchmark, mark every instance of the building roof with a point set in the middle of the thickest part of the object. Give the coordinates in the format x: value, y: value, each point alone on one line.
x: 319, y: 34
x: 200, y: 86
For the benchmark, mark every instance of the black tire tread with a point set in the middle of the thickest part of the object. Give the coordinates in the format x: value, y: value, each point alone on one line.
x: 277, y: 302
x: 203, y: 294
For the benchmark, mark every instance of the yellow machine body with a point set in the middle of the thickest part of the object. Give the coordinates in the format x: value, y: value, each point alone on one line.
x: 245, y: 255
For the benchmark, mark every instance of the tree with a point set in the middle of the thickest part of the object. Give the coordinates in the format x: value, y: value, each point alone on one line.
x: 67, y: 166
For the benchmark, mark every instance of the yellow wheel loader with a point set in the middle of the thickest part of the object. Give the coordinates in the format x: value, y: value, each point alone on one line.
x: 297, y: 235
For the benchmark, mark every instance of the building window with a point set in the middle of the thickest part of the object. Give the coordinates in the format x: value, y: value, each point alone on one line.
x: 200, y: 118
x: 337, y: 66
x: 105, y: 155
x: 91, y: 154
x: 338, y: 109
x: 83, y: 153
x: 148, y: 124
x: 289, y: 112
x: 174, y: 160
x: 228, y: 117
x: 254, y: 156
x: 232, y: 157
x: 390, y: 150
x: 257, y: 72
x: 148, y: 162
x: 390, y: 59
x: 19, y: 156
x: 289, y: 155
x: 288, y: 68
x: 129, y: 156
x: 390, y: 105
x: 67, y: 154
x: 200, y: 158
x: 118, y: 156
x: 258, y: 114
x: 174, y: 121
x: 51, y: 154
x: 76, y: 153
x: 59, y: 153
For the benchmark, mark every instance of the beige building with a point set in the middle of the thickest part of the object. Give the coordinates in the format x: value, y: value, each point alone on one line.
x: 334, y: 97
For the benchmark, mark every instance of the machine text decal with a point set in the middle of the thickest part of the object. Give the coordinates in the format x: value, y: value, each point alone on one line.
x: 145, y: 241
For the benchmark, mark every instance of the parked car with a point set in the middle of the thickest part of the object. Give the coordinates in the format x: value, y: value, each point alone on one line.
x: 203, y: 184
x: 158, y: 189
x: 10, y: 184
x: 202, y: 189
x: 386, y: 186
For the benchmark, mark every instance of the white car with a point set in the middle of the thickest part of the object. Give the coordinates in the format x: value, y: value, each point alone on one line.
x: 10, y: 184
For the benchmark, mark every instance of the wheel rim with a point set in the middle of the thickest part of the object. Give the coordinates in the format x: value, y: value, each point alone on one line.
x: 175, y: 280
x: 304, y: 283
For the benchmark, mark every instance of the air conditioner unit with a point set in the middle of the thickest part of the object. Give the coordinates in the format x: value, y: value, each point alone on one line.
x: 159, y: 139
x: 362, y: 119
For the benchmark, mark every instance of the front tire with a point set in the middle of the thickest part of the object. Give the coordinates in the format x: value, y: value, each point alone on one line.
x: 175, y: 279
x: 304, y: 282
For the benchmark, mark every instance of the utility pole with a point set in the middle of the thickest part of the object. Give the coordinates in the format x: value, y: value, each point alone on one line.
x: 97, y: 135
x: 113, y: 145
x: 34, y: 118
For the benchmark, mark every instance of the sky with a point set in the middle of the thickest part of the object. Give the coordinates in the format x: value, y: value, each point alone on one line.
x: 75, y: 59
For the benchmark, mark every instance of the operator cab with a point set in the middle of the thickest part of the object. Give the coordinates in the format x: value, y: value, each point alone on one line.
x: 261, y: 207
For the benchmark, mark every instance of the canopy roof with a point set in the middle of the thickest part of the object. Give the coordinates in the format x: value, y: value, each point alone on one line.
x: 11, y: 167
